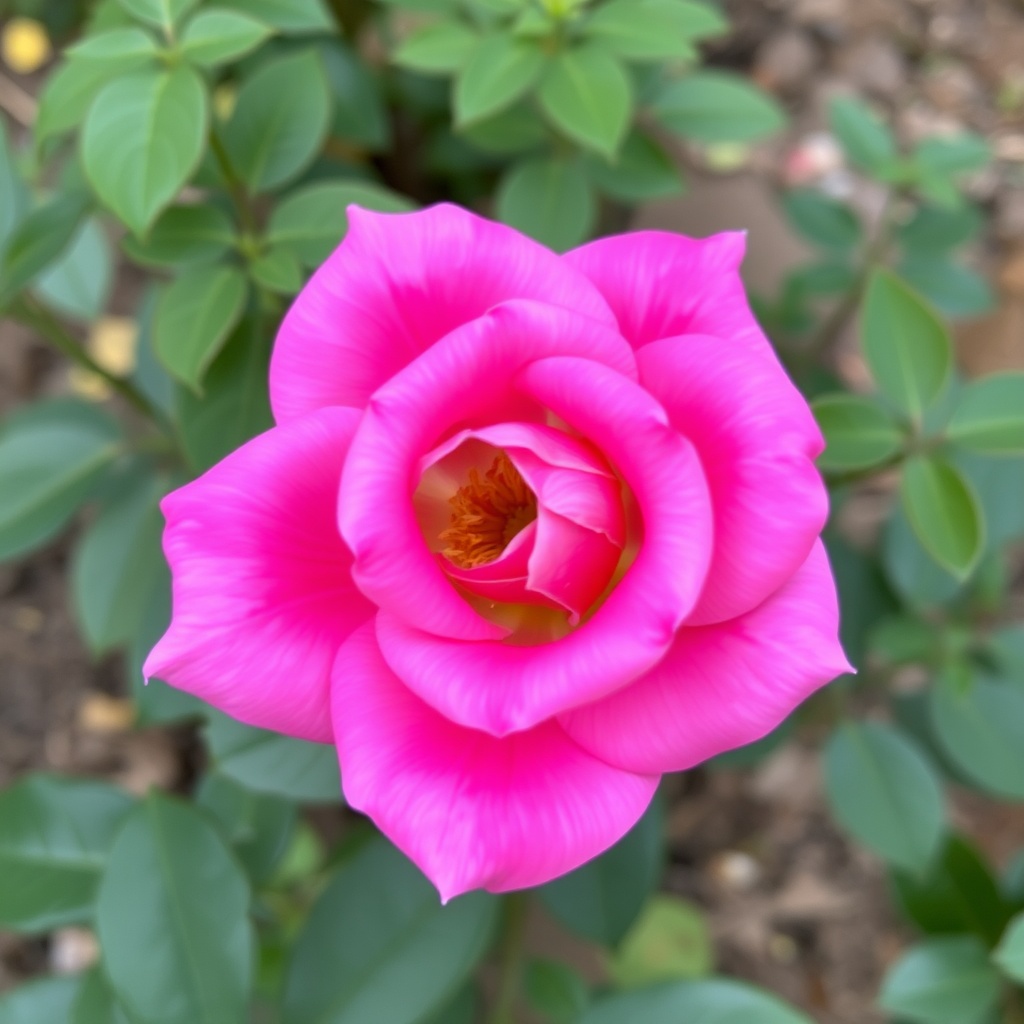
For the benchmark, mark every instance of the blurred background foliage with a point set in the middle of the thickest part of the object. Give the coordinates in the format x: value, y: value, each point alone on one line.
x: 170, y: 173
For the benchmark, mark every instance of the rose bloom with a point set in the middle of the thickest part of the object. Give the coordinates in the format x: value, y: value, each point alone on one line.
x: 531, y: 530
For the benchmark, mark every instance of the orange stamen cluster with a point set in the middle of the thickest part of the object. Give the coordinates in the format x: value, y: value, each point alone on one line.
x: 487, y: 513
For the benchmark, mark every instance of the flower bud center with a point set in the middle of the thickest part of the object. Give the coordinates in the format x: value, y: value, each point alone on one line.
x: 487, y: 513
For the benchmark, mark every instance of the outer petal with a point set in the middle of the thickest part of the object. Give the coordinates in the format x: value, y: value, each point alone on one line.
x: 397, y: 284
x: 463, y: 378
x: 471, y: 810
x: 756, y: 438
x: 502, y: 688
x: 722, y: 686
x: 263, y: 594
x: 660, y: 285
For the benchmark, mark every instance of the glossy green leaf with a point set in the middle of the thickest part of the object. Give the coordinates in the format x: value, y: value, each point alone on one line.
x: 865, y: 139
x: 958, y: 154
x: 163, y: 14
x: 78, y: 283
x: 68, y: 94
x: 314, y: 219
x: 278, y: 270
x: 1009, y: 955
x: 234, y: 405
x: 602, y: 899
x: 512, y: 131
x: 859, y: 432
x: 194, y: 317
x: 822, y: 220
x: 668, y: 942
x: 441, y: 48
x: 184, y: 234
x: 982, y: 731
x: 267, y: 762
x: 280, y: 121
x: 715, y: 1001
x: 555, y: 990
x: 548, y: 199
x: 587, y: 95
x: 216, y: 35
x: 120, y: 50
x: 932, y: 229
x: 172, y: 919
x: 944, y: 513
x: 46, y: 1001
x: 52, y: 454
x: 886, y: 793
x: 55, y: 836
x: 95, y: 1002
x: 952, y: 288
x: 360, y: 114
x: 942, y: 981
x: 142, y: 140
x: 714, y: 106
x: 39, y: 240
x: 117, y: 562
x: 500, y: 70
x: 295, y: 17
x: 906, y: 345
x: 406, y: 958
x: 258, y: 826
x: 648, y: 30
x: 641, y: 171
x: 989, y: 416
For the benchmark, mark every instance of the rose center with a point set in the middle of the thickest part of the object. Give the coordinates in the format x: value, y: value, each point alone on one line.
x: 487, y: 513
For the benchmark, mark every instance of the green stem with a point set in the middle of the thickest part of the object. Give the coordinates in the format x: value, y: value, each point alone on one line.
x: 33, y: 315
x: 513, y: 935
x: 236, y: 187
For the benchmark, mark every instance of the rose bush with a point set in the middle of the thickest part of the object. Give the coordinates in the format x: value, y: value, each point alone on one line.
x: 531, y: 530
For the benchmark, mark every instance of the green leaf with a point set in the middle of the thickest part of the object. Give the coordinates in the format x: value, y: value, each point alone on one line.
x: 359, y: 111
x: 642, y: 170
x: 47, y: 1001
x: 404, y: 959
x: 906, y: 345
x: 957, y: 895
x: 548, y: 199
x: 163, y: 14
x: 944, y: 513
x: 859, y: 432
x: 78, y: 283
x: 280, y: 121
x: 644, y: 30
x: 117, y: 562
x: 822, y: 220
x: 500, y: 70
x: 295, y: 17
x: 441, y: 48
x: 142, y: 140
x: 715, y: 1001
x: 982, y: 731
x: 278, y: 270
x: 866, y: 140
x: 215, y: 36
x: 555, y: 990
x: 12, y: 188
x: 463, y: 1008
x: 55, y: 835
x: 587, y: 95
x: 234, y: 406
x: 312, y: 220
x: 119, y: 50
x: 952, y: 288
x: 269, y: 763
x: 960, y: 154
x: 914, y: 574
x: 184, y: 234
x: 512, y: 131
x: 194, y: 317
x: 942, y: 981
x: 95, y: 1002
x: 172, y: 918
x: 989, y: 417
x: 1009, y: 955
x: 714, y: 106
x: 932, y: 229
x: 886, y: 793
x: 52, y: 454
x: 670, y: 941
x: 998, y: 483
x: 38, y: 240
x: 258, y: 826
x: 830, y: 276
x: 68, y: 94
x: 602, y: 899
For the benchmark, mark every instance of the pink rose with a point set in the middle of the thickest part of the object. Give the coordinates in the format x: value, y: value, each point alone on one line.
x: 531, y: 531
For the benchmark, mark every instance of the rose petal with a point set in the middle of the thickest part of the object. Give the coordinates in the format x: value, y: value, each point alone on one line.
x: 263, y: 594
x: 471, y: 810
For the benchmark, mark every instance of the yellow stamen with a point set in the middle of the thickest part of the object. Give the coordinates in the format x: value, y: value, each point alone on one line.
x: 487, y: 513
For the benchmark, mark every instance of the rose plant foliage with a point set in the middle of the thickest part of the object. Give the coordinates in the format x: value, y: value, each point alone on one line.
x: 530, y: 520
x: 530, y: 532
